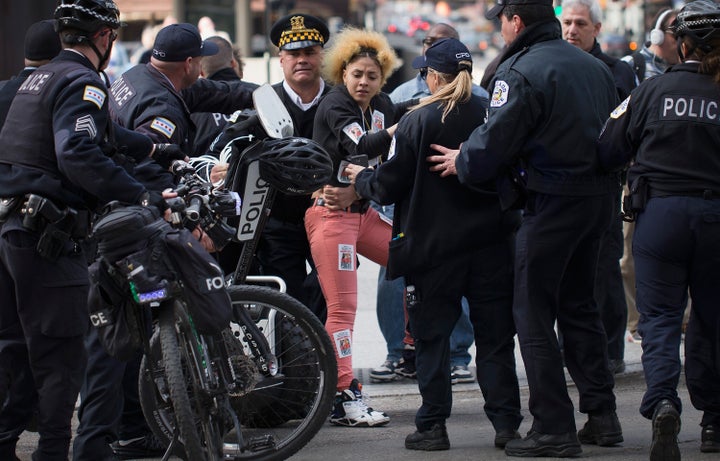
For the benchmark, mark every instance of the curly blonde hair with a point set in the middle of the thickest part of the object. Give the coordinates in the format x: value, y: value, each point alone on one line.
x: 352, y: 43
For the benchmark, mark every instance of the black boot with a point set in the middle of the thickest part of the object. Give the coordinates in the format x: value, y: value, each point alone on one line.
x: 434, y: 439
x: 710, y: 439
x: 665, y: 426
x: 601, y: 429
x: 546, y: 445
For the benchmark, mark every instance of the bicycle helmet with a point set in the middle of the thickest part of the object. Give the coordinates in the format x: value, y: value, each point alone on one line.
x: 700, y: 20
x: 295, y: 166
x: 86, y: 15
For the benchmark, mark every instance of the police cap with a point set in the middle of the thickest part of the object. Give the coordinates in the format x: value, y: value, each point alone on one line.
x: 177, y: 42
x: 297, y: 31
x: 495, y: 11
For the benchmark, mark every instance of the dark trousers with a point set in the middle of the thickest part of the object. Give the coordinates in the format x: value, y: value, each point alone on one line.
x: 609, y: 289
x: 676, y: 246
x: 283, y: 251
x: 555, y: 266
x: 484, y: 277
x: 109, y: 403
x: 48, y: 300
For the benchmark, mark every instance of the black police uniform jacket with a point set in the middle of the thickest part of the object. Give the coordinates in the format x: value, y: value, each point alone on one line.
x: 621, y: 71
x: 440, y: 218
x: 8, y: 89
x: 291, y: 208
x: 670, y: 125
x: 344, y: 130
x: 547, y: 117
x: 144, y: 100
x: 208, y: 125
x: 53, y: 139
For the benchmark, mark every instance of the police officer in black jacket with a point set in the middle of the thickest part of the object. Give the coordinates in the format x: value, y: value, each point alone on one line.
x: 41, y: 45
x: 549, y: 102
x: 222, y: 67
x: 56, y: 145
x: 669, y: 126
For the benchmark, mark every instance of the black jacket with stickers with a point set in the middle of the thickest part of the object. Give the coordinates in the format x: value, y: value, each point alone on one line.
x: 57, y: 135
x: 439, y: 217
x: 549, y: 102
x: 670, y: 126
x: 344, y: 130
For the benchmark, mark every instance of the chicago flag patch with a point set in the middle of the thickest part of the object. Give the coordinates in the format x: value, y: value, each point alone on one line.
x: 163, y: 126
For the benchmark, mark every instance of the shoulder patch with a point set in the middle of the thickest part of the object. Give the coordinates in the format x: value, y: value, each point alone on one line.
x: 95, y: 95
x: 354, y: 131
x: 87, y: 124
x: 499, y: 94
x: 620, y: 110
x: 163, y: 126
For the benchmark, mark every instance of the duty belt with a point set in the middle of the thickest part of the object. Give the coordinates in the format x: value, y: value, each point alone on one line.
x: 39, y: 213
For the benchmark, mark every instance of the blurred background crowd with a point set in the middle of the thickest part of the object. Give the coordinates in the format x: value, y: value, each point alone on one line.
x: 625, y: 26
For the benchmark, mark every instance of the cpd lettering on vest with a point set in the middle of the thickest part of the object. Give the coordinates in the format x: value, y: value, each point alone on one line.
x: 680, y: 108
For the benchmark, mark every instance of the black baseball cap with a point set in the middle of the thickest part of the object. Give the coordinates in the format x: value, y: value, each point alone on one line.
x: 41, y: 41
x: 494, y: 12
x: 296, y: 31
x: 444, y: 56
x: 177, y: 42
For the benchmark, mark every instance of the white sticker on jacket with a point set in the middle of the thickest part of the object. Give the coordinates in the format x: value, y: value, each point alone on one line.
x: 343, y: 344
x: 346, y: 257
x: 378, y: 121
x: 354, y: 131
x: 500, y: 94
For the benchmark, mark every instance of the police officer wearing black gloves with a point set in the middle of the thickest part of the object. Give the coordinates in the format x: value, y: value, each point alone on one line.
x: 55, y: 167
x: 157, y: 98
x: 669, y: 126
x: 549, y: 102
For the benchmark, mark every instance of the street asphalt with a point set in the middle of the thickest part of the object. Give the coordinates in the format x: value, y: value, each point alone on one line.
x: 471, y: 434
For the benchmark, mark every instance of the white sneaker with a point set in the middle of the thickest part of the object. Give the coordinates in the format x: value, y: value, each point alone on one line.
x: 350, y: 410
x: 461, y: 374
x: 384, y: 373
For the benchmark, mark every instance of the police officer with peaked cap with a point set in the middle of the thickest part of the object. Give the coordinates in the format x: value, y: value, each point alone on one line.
x: 284, y: 249
x: 670, y: 126
x: 56, y: 144
x: 556, y: 98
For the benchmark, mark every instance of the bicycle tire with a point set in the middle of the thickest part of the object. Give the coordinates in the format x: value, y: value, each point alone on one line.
x: 291, y: 407
x: 177, y: 380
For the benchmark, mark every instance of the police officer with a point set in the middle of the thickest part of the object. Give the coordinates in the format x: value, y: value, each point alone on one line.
x: 41, y: 45
x: 284, y: 249
x: 223, y: 67
x: 548, y: 104
x: 669, y: 126
x: 157, y: 98
x: 54, y: 146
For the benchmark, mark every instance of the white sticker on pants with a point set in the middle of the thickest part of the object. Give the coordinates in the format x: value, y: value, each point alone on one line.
x: 342, y: 343
x: 346, y: 257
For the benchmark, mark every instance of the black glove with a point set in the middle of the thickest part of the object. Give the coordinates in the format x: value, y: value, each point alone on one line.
x: 164, y: 154
x: 154, y: 198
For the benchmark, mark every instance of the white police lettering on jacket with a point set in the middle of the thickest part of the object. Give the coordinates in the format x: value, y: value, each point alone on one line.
x: 689, y: 108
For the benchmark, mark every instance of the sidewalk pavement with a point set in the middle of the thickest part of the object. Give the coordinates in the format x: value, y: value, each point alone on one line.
x: 370, y: 350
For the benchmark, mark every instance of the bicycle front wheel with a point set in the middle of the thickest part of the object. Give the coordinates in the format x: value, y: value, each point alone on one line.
x: 282, y: 413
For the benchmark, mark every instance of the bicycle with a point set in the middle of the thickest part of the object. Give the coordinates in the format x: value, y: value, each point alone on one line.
x: 259, y: 391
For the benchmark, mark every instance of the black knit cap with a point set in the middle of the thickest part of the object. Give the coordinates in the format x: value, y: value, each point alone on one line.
x: 41, y: 41
x: 494, y: 12
x: 296, y: 31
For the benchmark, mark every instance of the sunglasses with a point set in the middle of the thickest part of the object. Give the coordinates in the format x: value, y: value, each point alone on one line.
x: 423, y: 73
